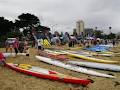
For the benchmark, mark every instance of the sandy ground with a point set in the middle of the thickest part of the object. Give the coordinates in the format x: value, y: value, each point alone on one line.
x: 12, y: 80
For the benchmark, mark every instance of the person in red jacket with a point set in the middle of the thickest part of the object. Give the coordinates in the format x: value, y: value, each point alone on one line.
x: 2, y: 59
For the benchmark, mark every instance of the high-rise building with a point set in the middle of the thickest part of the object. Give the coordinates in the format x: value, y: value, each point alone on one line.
x: 80, y: 27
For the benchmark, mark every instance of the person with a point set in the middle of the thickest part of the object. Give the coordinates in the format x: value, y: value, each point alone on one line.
x: 2, y: 59
x: 27, y: 51
x: 40, y: 47
x: 21, y: 47
x: 73, y: 40
x: 113, y: 42
x: 25, y: 45
x: 16, y: 45
x: 8, y: 46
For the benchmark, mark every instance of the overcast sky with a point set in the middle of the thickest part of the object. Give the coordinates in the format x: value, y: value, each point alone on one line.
x: 62, y: 14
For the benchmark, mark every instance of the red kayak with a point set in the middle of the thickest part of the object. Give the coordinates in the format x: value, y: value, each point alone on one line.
x: 47, y: 74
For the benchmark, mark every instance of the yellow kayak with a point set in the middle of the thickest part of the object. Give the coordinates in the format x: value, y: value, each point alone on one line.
x: 91, y: 58
x: 74, y: 48
x: 107, y: 52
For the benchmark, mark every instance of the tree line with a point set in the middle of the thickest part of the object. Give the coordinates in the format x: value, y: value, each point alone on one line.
x: 25, y: 21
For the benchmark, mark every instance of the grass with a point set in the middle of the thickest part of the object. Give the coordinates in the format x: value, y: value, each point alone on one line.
x: 12, y: 80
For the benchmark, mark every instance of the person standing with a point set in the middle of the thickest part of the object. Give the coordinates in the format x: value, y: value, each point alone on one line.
x: 9, y: 46
x: 16, y: 45
x: 25, y: 45
x: 113, y: 42
x: 40, y: 47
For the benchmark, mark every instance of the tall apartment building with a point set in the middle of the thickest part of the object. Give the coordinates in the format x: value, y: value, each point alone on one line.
x: 80, y: 27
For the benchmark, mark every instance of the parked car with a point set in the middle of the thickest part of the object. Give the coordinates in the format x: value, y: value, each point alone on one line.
x: 10, y: 40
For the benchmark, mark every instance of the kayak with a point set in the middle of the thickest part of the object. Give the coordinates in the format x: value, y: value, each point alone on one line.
x: 107, y: 55
x: 90, y: 58
x: 74, y: 48
x: 46, y: 74
x: 9, y: 54
x: 71, y: 67
x: 81, y: 53
x: 53, y: 51
x: 13, y: 54
x: 58, y: 57
x: 55, y: 55
x: 89, y: 54
x: 110, y: 67
x: 93, y: 53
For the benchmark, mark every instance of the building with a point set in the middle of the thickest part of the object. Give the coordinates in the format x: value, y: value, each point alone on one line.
x: 80, y: 27
x: 89, y: 32
x: 74, y: 32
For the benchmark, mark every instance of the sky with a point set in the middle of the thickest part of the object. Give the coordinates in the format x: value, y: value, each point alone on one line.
x: 62, y: 15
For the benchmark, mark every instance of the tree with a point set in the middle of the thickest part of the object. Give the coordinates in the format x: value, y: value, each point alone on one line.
x: 27, y: 22
x: 98, y: 33
x: 6, y: 27
x: 111, y: 36
x: 29, y: 19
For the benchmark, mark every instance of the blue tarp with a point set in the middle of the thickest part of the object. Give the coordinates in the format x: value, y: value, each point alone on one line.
x: 98, y: 48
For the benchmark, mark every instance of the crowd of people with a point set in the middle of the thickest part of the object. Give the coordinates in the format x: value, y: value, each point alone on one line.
x: 57, y: 40
x: 71, y: 40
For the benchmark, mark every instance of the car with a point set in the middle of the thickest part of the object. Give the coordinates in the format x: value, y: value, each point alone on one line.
x: 10, y: 40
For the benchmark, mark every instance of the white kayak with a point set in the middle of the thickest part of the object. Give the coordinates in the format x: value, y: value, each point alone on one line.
x: 53, y: 51
x: 80, y: 53
x: 64, y: 52
x: 73, y: 68
x: 13, y: 54
x: 110, y: 67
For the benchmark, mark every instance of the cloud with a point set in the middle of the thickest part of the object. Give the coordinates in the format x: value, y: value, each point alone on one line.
x: 63, y: 14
